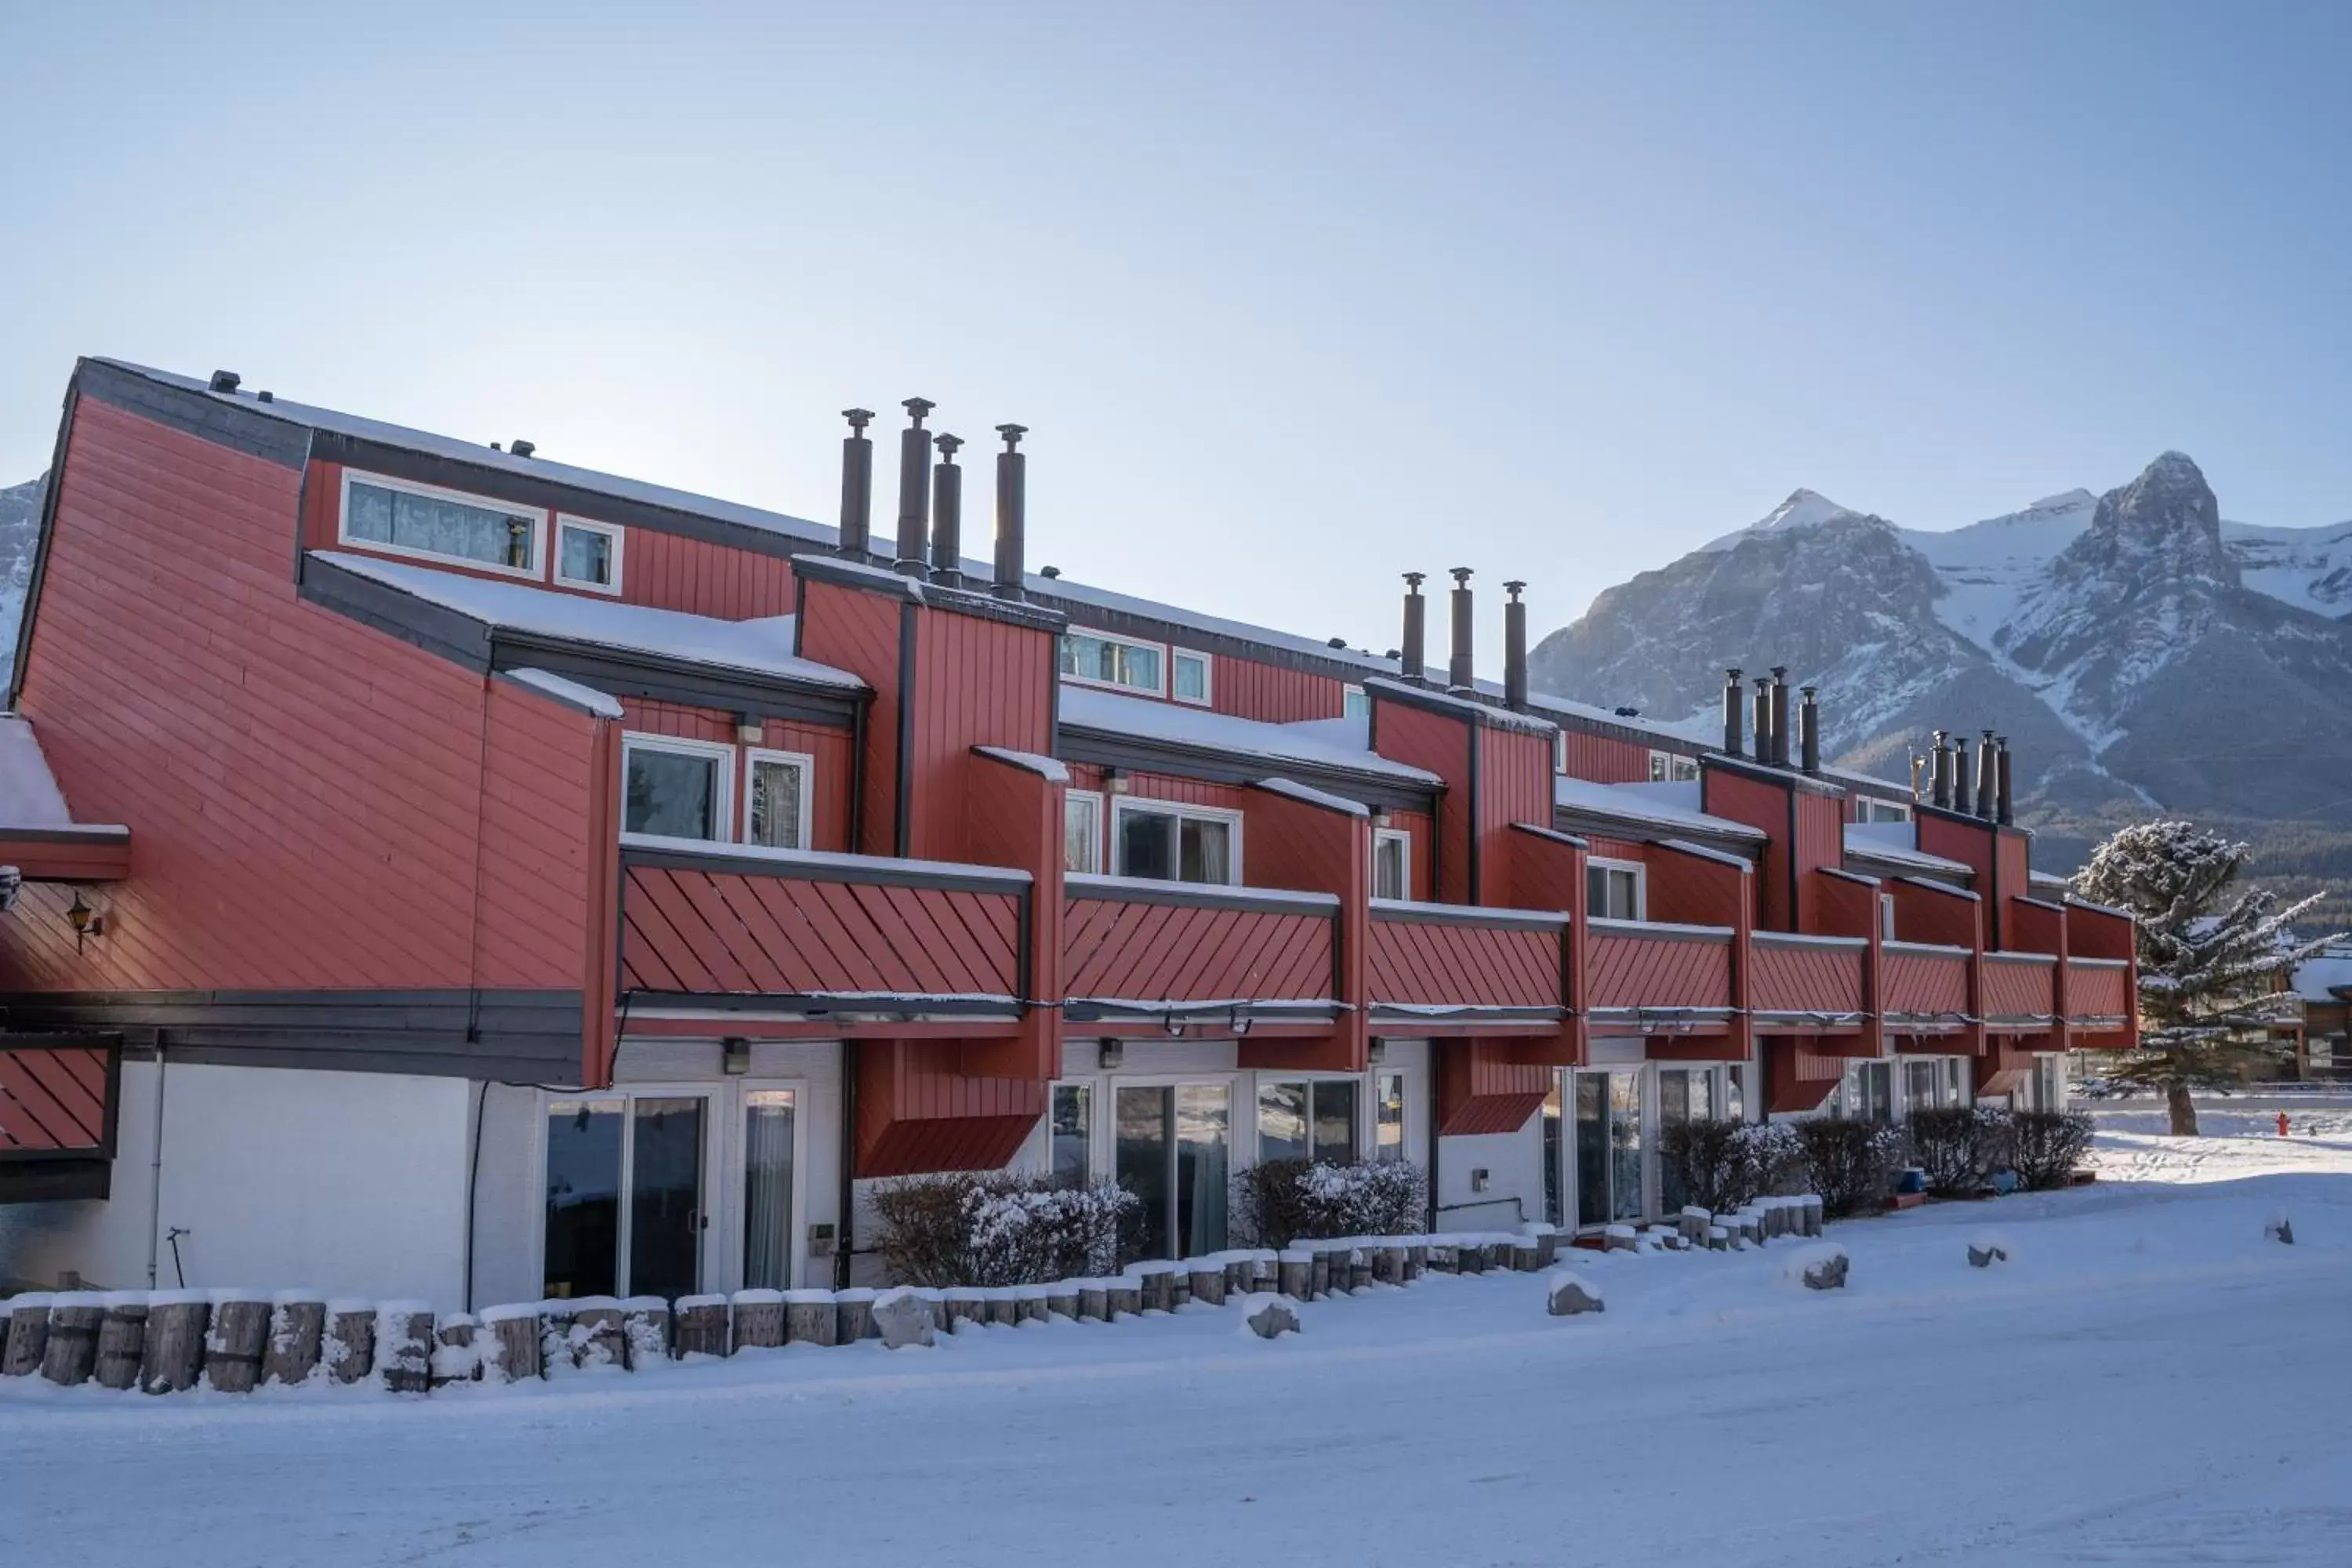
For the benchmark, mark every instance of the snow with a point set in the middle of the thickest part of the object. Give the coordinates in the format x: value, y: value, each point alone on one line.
x: 2318, y: 979
x: 1086, y: 708
x: 1317, y: 798
x: 852, y: 868
x: 762, y: 647
x: 1047, y: 768
x: 1803, y: 510
x: 1897, y: 844
x: 1095, y: 885
x: 1637, y: 804
x: 29, y: 796
x: 587, y: 699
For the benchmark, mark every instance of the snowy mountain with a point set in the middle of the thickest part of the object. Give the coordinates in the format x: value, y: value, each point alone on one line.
x: 20, y: 526
x: 2139, y: 652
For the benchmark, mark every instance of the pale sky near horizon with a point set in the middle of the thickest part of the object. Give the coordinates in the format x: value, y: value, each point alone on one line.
x: 1293, y: 297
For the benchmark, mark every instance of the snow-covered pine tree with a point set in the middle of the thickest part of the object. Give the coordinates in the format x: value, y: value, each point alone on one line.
x: 2209, y: 959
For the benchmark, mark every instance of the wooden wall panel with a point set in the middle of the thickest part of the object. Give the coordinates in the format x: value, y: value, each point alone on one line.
x: 2097, y: 989
x: 1441, y: 745
x: 541, y: 779
x: 1515, y: 776
x: 1250, y: 689
x: 830, y: 750
x: 306, y: 794
x: 1696, y: 889
x: 1762, y: 803
x: 1605, y: 759
x: 53, y: 1098
x: 2018, y: 987
x: 1429, y: 963
x: 978, y: 682
x: 1923, y: 982
x: 1483, y: 1087
x: 919, y: 1109
x: 1931, y: 912
x: 1805, y: 977
x: 851, y: 630
x: 1627, y: 970
x: 1825, y: 904
x: 1163, y: 952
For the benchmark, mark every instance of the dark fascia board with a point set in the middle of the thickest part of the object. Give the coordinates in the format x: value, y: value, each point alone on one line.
x: 521, y: 1035
x: 1107, y: 748
x: 868, y: 871
x: 1469, y: 707
x: 221, y: 421
x: 1641, y: 830
x: 846, y: 573
x: 1586, y: 724
x: 825, y: 1005
x: 100, y: 835
x: 1787, y: 778
x: 63, y: 1177
x: 475, y: 645
x: 1970, y: 819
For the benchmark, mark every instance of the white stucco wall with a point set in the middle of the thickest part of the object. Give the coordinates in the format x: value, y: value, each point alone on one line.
x: 350, y: 1183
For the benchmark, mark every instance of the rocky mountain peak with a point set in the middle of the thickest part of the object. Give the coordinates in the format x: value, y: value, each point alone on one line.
x: 2162, y: 531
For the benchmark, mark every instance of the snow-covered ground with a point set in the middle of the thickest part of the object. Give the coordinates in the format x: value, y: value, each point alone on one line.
x: 2147, y: 1381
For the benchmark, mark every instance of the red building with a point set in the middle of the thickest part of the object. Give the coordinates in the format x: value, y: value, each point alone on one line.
x: 510, y: 879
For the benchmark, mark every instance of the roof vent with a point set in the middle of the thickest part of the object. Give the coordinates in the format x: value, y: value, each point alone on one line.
x: 1049, y: 571
x: 521, y: 449
x: 1335, y: 642
x: 264, y: 395
x: 1627, y: 713
x: 224, y: 381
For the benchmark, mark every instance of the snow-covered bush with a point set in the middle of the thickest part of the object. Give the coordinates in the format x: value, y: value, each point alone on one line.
x: 2046, y: 1146
x: 1960, y: 1147
x: 1277, y: 1202
x: 1723, y: 1164
x: 989, y: 1229
x: 1849, y: 1162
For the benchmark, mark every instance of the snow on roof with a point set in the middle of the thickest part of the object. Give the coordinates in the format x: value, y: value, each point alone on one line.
x: 1299, y: 792
x: 1636, y: 803
x: 762, y: 646
x: 1049, y: 768
x: 585, y: 698
x: 1311, y: 744
x: 29, y: 796
x: 1893, y: 843
x: 2318, y: 979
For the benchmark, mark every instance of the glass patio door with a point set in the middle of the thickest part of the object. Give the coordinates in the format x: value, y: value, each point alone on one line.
x: 625, y: 1212
x: 1172, y: 1146
x: 1609, y: 1148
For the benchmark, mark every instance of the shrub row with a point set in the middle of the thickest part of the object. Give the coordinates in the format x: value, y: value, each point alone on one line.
x: 1849, y: 1162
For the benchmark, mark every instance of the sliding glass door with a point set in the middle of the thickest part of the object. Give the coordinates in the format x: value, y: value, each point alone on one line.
x: 1172, y: 1152
x: 1610, y: 1147
x: 625, y: 1213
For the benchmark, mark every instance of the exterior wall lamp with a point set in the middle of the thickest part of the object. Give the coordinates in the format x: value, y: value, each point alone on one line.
x: 1110, y: 1055
x: 735, y: 1056
x: 86, y: 921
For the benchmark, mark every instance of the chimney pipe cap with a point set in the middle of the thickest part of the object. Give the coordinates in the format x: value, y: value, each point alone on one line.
x: 1414, y: 580
x: 1808, y: 691
x: 1779, y: 673
x: 947, y: 445
x: 1732, y: 673
x: 1763, y: 683
x: 1011, y: 434
x: 1461, y: 575
x: 1512, y: 587
x: 858, y: 418
x: 917, y: 407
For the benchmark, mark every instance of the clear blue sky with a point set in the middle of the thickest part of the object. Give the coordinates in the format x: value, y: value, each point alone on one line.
x: 1293, y: 297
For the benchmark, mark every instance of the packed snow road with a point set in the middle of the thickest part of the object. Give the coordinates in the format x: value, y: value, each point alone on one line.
x: 2147, y: 1381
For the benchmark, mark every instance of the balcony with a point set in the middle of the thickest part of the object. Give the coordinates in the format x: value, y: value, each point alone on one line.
x: 2099, y: 993
x: 59, y: 1094
x: 1804, y: 985
x: 1149, y: 955
x: 1647, y: 978
x: 1440, y: 968
x: 1927, y: 995
x: 2021, y: 991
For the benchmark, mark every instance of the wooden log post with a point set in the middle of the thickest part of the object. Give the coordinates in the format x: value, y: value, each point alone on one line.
x: 1003, y: 1307
x: 1179, y: 1286
x: 1062, y: 1300
x: 1029, y: 1304
x: 810, y: 1318
x: 1359, y: 1267
x: 962, y: 1304
x: 1416, y: 1261
x: 457, y: 1355
x: 1387, y: 1264
x: 1527, y: 1255
x: 70, y: 1353
x: 348, y: 1349
x: 644, y: 1331
x: 514, y: 1330
x: 1123, y: 1298
x: 298, y: 1323
x: 122, y: 1340
x: 597, y: 1344
x: 700, y: 1327
x: 1241, y: 1275
x: 1155, y: 1286
x: 175, y: 1352
x: 28, y: 1334
x: 1297, y: 1276
x: 1470, y: 1257
x: 1094, y: 1302
x: 760, y: 1318
x: 1208, y: 1284
x: 854, y: 1315
x: 403, y: 1345
x: 234, y: 1344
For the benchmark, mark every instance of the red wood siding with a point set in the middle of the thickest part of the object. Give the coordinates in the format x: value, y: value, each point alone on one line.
x: 1694, y: 890
x: 1515, y: 778
x: 2018, y: 987
x: 1484, y: 1087
x: 1441, y: 745
x: 1802, y: 1076
x: 1763, y: 805
x: 62, y: 858
x: 1913, y: 982
x: 2096, y: 989
x: 1306, y: 847
x: 1422, y: 829
x: 1804, y: 977
x: 705, y: 932
x: 831, y: 750
x: 1930, y: 912
x: 1164, y: 952
x: 977, y: 683
x: 307, y: 794
x: 1627, y: 968
x: 1013, y: 818
x: 53, y: 1098
x: 1826, y: 904
x: 851, y: 630
x: 919, y: 1110
x: 1432, y: 963
x: 1615, y: 848
x: 540, y: 780
x: 1249, y: 689
x: 1605, y: 759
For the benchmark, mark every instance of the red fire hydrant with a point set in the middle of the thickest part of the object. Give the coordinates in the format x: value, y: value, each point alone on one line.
x: 2282, y: 1123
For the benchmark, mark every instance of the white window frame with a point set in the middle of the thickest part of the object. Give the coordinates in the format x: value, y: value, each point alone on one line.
x: 709, y: 1262
x: 806, y: 828
x: 614, y: 535
x: 1358, y: 694
x: 1559, y: 752
x: 1392, y: 835
x: 1159, y: 647
x: 1122, y: 805
x: 722, y: 813
x: 1640, y: 882
x: 1368, y: 1124
x: 1208, y: 676
x: 1663, y: 765
x: 1874, y: 809
x: 536, y: 573
x: 1093, y: 800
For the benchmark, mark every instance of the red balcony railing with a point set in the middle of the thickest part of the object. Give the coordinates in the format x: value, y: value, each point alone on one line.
x: 851, y: 939
x: 1923, y: 988
x: 1646, y: 978
x: 1436, y: 965
x: 1798, y: 983
x: 59, y: 1096
x: 2019, y: 991
x: 1136, y: 951
x: 2098, y: 992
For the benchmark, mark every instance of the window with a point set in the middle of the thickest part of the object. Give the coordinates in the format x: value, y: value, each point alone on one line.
x: 1867, y: 1092
x: 1355, y: 703
x: 768, y: 1189
x: 1870, y: 809
x: 1886, y: 916
x: 1735, y: 1092
x: 1073, y: 1133
x: 1314, y: 1119
x: 403, y: 519
x: 1388, y: 1112
x: 677, y: 788
x: 776, y: 805
x: 625, y: 1206
x: 1098, y: 658
x: 587, y: 554
x: 1189, y: 676
x: 1671, y: 767
x: 1178, y: 844
x: 1559, y: 757
x: 1392, y: 863
x: 1082, y: 829
x: 1920, y: 1083
x: 1613, y: 889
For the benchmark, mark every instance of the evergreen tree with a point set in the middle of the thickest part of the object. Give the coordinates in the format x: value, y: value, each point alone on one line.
x: 2211, y: 956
